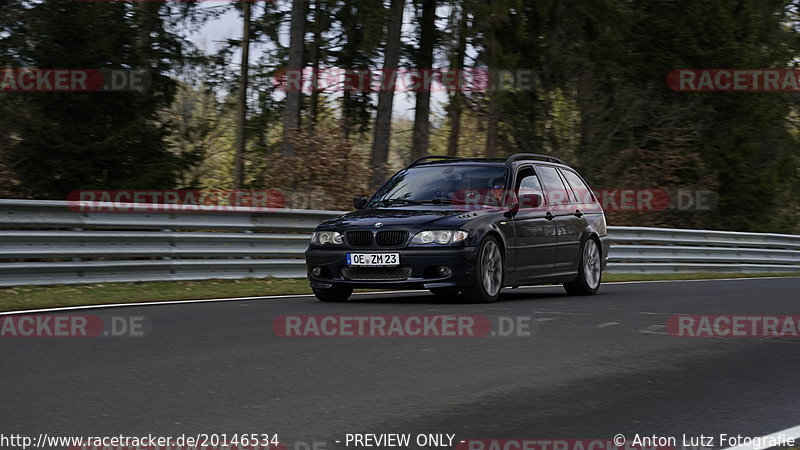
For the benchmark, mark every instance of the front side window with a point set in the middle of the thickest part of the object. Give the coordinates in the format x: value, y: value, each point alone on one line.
x: 530, y: 185
x: 528, y: 182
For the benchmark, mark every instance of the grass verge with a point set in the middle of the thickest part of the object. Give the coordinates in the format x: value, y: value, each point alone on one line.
x: 36, y: 297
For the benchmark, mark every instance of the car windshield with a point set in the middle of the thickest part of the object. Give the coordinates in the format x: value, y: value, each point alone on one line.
x: 441, y: 184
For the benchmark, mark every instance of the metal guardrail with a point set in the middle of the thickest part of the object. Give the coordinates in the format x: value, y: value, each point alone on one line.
x: 46, y: 242
x: 666, y: 250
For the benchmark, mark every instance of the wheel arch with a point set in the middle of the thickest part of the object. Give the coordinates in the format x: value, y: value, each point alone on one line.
x: 500, y: 240
x: 592, y: 234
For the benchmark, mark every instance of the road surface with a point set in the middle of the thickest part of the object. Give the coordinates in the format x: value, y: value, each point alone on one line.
x: 590, y: 367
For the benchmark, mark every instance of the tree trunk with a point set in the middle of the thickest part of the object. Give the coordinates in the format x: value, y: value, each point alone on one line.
x: 294, y: 66
x: 427, y: 41
x: 491, y: 128
x: 383, y: 120
x: 315, y: 64
x: 492, y: 107
x: 346, y: 62
x: 456, y: 105
x: 241, y: 116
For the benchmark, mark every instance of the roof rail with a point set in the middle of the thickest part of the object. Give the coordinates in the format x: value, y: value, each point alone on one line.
x: 419, y: 161
x: 535, y: 156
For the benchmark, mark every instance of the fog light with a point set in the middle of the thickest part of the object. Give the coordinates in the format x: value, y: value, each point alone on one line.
x: 445, y: 271
x: 316, y: 271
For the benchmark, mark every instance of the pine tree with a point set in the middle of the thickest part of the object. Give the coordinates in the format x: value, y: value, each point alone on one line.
x: 92, y: 140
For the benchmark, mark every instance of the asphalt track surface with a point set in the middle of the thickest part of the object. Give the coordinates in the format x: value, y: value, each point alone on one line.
x: 591, y: 367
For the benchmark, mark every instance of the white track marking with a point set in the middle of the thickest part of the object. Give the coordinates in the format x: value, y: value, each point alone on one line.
x: 698, y: 281
x: 266, y: 297
x: 654, y: 329
x: 177, y: 302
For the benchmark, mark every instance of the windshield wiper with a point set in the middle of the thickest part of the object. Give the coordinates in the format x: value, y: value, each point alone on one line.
x: 397, y: 201
x: 444, y: 201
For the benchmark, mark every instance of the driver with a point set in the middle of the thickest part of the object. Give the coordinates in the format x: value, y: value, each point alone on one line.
x: 496, y: 191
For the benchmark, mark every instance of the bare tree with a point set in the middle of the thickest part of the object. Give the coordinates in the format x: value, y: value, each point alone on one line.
x: 294, y: 95
x: 492, y: 125
x: 383, y: 120
x: 456, y: 105
x: 316, y: 56
x: 424, y: 62
x: 241, y: 116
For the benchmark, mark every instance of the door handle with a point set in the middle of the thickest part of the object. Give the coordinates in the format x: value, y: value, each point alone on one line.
x: 578, y: 213
x: 549, y: 216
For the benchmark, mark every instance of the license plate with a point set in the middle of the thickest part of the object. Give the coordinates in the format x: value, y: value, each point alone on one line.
x: 373, y: 259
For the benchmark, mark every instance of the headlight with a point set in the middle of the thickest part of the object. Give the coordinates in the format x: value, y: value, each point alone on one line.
x: 442, y: 237
x: 326, y: 238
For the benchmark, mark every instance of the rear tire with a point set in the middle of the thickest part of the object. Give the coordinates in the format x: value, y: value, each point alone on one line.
x: 488, y: 280
x: 336, y: 294
x: 590, y: 271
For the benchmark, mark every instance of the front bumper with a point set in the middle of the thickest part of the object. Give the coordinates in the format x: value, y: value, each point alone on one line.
x: 424, y: 264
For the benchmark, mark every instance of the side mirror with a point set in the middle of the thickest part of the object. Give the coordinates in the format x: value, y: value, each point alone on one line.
x: 359, y: 202
x: 512, y: 203
x: 527, y: 201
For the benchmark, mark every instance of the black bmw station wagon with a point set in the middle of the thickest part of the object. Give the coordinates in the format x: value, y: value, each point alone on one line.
x: 465, y: 227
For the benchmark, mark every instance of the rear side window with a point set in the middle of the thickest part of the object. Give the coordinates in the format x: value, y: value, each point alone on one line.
x: 556, y: 191
x: 579, y: 188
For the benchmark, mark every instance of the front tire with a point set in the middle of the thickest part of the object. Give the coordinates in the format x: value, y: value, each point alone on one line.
x: 590, y: 271
x: 336, y: 294
x: 488, y: 280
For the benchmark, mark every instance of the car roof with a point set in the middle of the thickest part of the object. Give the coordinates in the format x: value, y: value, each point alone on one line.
x: 465, y: 162
x: 512, y: 161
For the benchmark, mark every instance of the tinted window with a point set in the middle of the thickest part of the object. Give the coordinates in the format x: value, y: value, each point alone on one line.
x: 570, y: 192
x: 582, y: 192
x: 556, y: 191
x: 442, y: 181
x: 528, y: 182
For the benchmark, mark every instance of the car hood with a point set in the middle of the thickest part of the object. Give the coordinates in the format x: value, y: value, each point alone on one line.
x: 404, y: 217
